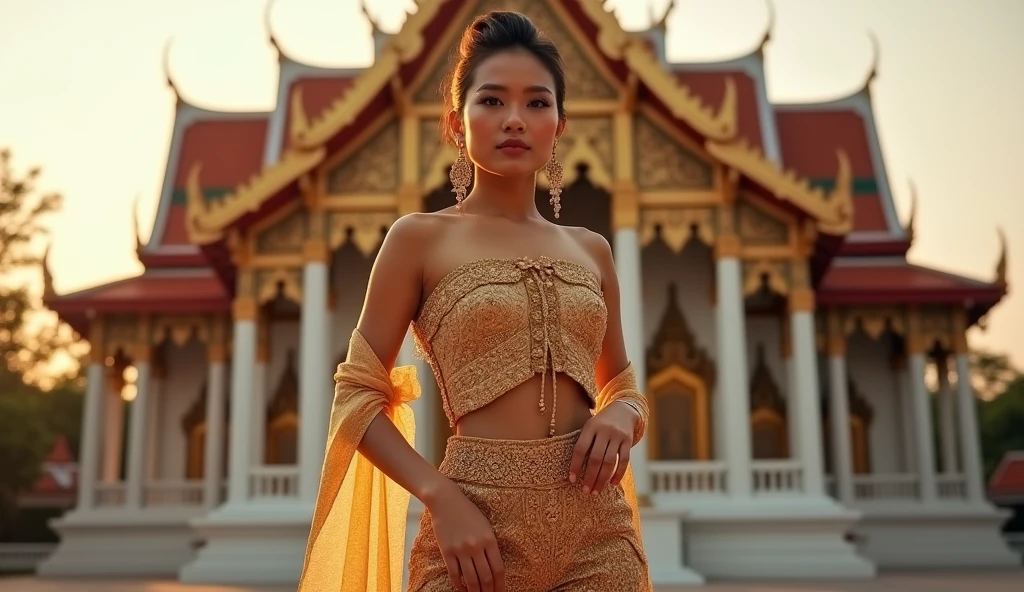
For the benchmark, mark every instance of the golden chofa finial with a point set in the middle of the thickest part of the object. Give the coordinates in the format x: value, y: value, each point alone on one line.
x: 769, y: 27
x: 135, y: 223
x: 373, y: 23
x: 913, y: 212
x: 268, y: 24
x: 1001, y: 265
x: 48, y: 290
x: 661, y: 23
x: 875, y: 56
x: 167, y: 69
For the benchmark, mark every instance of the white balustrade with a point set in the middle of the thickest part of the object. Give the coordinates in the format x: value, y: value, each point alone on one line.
x: 180, y: 493
x: 777, y: 477
x: 110, y: 495
x: 689, y: 477
x: 952, y: 487
x: 274, y: 482
x: 886, y: 487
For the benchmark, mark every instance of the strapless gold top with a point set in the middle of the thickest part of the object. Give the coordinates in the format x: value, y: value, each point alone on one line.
x: 492, y: 324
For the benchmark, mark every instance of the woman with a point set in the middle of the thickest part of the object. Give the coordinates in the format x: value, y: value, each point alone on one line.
x: 519, y: 319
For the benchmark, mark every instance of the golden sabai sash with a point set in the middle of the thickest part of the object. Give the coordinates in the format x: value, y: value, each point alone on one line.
x: 357, y: 538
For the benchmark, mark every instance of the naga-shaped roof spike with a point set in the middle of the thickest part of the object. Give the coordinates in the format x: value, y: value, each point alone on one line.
x: 769, y: 26
x: 1001, y: 264
x: 913, y: 212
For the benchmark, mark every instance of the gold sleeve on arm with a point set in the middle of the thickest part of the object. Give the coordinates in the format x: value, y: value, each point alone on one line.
x: 623, y: 389
x: 357, y: 536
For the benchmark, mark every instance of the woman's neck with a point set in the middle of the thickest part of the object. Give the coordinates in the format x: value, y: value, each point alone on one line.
x: 508, y: 197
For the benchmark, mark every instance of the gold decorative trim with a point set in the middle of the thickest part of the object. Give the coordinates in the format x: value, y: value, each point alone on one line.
x: 207, y: 220
x: 367, y: 230
x: 676, y: 226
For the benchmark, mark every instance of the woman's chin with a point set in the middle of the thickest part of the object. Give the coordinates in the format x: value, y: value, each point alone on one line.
x: 511, y: 169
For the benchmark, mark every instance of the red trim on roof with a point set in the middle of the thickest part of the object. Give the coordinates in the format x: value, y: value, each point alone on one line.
x: 710, y: 87
x: 148, y: 293
x: 889, y: 283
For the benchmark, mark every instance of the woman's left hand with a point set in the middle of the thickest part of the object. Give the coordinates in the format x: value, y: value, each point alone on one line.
x: 604, y: 444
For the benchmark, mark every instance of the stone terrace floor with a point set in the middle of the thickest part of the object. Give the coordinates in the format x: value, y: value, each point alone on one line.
x: 932, y: 581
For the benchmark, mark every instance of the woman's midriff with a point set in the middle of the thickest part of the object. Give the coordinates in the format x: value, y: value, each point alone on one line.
x: 516, y: 415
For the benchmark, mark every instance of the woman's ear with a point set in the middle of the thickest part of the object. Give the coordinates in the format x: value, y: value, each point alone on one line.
x: 560, y: 129
x: 453, y: 124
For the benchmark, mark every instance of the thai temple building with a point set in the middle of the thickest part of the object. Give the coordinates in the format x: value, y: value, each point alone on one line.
x: 768, y: 306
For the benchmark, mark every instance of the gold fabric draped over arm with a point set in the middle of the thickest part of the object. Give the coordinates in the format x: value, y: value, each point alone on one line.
x: 624, y: 388
x: 357, y: 538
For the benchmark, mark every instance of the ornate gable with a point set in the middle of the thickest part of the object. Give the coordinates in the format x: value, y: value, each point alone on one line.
x: 662, y: 162
x: 588, y: 79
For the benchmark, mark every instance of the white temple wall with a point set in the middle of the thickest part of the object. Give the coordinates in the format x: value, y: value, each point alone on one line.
x: 186, y: 374
x: 869, y: 369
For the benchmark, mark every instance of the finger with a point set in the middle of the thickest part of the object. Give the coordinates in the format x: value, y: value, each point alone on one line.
x: 497, y: 567
x: 469, y: 573
x: 607, y: 467
x: 483, y: 571
x: 620, y: 469
x: 579, y: 454
x: 452, y: 563
x: 594, y: 463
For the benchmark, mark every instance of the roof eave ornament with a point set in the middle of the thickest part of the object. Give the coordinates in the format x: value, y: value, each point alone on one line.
x: 48, y: 290
x: 268, y: 24
x: 661, y: 24
x: 374, y: 25
x: 135, y: 225
x: 909, y: 229
x: 1001, y: 264
x: 167, y: 71
x: 769, y: 27
x: 875, y: 57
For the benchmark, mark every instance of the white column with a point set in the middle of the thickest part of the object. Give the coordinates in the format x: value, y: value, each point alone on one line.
x: 839, y: 418
x: 907, y: 421
x: 314, y: 373
x: 805, y: 374
x: 947, y: 417
x: 630, y: 276
x: 153, y: 423
x: 733, y: 373
x: 243, y: 363
x: 213, y: 450
x: 136, y: 434
x: 792, y: 404
x: 89, y: 463
x: 259, y: 394
x: 970, y: 449
x: 113, y: 429
x: 922, y: 426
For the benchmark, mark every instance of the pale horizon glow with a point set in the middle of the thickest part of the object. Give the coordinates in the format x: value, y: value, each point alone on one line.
x: 87, y: 101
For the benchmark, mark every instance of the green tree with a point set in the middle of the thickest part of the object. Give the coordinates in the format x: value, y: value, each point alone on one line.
x: 1001, y: 424
x: 29, y: 416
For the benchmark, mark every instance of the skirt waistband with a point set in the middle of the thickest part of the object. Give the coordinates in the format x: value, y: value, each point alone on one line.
x: 509, y: 463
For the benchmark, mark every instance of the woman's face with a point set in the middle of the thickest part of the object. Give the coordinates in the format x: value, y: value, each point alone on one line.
x: 510, y: 118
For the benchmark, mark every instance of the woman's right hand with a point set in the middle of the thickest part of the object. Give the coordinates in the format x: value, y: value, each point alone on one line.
x: 467, y: 542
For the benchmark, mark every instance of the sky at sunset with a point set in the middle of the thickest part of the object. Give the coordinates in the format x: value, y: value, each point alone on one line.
x: 84, y: 97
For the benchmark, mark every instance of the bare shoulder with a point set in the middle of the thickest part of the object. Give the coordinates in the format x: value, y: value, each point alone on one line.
x: 596, y: 246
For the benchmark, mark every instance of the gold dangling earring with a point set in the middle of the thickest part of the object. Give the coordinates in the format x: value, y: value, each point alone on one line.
x: 461, y: 176
x: 554, y: 171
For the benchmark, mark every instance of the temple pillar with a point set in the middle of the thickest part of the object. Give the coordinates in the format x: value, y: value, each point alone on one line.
x: 839, y: 409
x: 970, y: 447
x: 259, y: 394
x: 243, y: 363
x: 805, y: 374
x: 135, y: 472
x: 95, y: 389
x: 113, y: 424
x: 314, y: 369
x: 947, y: 417
x: 907, y: 421
x: 922, y: 412
x: 213, y: 451
x: 733, y: 372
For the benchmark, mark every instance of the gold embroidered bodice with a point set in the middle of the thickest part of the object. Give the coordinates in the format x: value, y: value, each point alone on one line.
x: 491, y: 324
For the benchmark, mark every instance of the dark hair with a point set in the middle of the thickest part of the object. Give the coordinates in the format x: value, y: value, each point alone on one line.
x: 493, y: 33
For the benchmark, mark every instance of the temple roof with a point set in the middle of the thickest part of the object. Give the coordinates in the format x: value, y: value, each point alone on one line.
x: 1007, y: 483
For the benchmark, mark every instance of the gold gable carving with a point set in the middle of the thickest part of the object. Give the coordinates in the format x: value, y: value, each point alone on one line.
x: 675, y: 226
x: 874, y: 321
x: 663, y: 163
x: 584, y: 79
x: 374, y: 168
x: 675, y: 345
x: 757, y: 227
x: 270, y: 283
x: 285, y: 236
x: 777, y: 275
x: 367, y: 230
x: 180, y: 329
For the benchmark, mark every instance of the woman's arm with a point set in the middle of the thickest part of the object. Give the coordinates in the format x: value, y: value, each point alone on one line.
x: 607, y: 438
x: 466, y: 540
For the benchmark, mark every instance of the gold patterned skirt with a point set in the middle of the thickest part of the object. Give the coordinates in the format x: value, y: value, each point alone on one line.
x: 551, y: 535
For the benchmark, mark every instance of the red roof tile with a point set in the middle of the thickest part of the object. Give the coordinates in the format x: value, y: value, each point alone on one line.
x: 1008, y: 479
x: 148, y: 293
x: 884, y: 282
x: 230, y: 150
x: 710, y: 87
x: 317, y: 94
x: 809, y: 140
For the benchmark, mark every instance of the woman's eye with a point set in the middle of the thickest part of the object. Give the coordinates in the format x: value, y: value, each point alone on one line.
x: 490, y: 101
x: 539, y: 103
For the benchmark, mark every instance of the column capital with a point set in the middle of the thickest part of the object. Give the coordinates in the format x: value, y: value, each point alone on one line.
x: 801, y: 300
x: 315, y: 250
x: 727, y: 246
x: 244, y: 308
x: 625, y: 205
x: 408, y: 199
